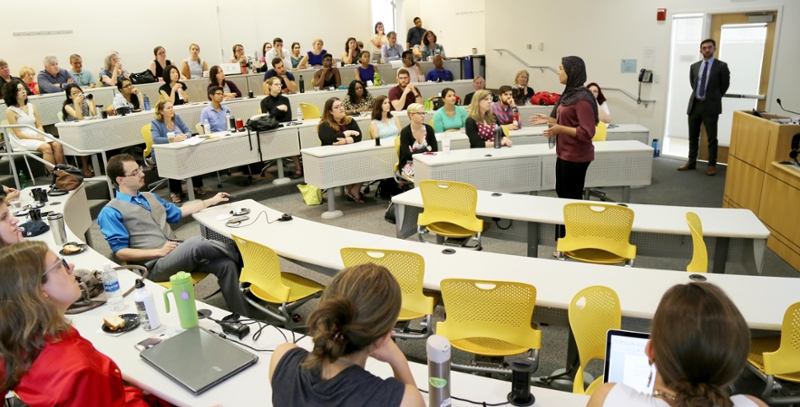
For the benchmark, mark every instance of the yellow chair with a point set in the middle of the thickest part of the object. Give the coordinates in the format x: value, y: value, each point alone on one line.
x: 699, y: 262
x: 199, y: 128
x: 409, y: 269
x: 600, y: 132
x: 263, y: 271
x: 599, y: 312
x: 597, y: 233
x: 490, y: 318
x: 778, y: 358
x: 309, y: 111
x: 449, y: 212
x: 196, y: 278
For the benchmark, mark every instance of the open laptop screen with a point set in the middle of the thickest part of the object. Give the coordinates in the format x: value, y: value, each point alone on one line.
x: 626, y: 361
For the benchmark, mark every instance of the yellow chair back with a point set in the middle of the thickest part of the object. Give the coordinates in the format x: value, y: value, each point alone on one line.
x: 600, y: 132
x: 596, y: 228
x: 592, y: 312
x: 397, y: 151
x: 449, y: 202
x: 408, y: 268
x: 699, y: 262
x: 485, y: 311
x: 148, y: 140
x: 787, y: 358
x: 309, y: 111
x: 262, y: 270
x: 199, y: 128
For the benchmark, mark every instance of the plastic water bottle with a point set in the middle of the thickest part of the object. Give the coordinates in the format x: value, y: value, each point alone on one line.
x: 302, y: 85
x: 206, y: 127
x: 228, y: 118
x: 446, y: 144
x: 656, y: 153
x: 145, y: 307
x: 111, y: 286
x: 147, y: 103
x: 23, y: 180
x: 376, y: 79
x: 299, y: 114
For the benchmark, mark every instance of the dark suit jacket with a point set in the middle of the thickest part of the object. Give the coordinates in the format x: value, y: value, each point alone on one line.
x: 719, y: 79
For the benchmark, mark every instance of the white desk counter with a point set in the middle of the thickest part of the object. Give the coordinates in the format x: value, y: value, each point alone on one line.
x: 735, y: 235
x: 532, y: 134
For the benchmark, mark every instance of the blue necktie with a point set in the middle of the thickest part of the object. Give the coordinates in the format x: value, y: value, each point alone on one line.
x: 701, y: 93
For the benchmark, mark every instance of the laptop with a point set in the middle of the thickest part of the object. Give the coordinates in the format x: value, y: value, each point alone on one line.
x: 626, y: 361
x: 197, y: 359
x: 231, y: 69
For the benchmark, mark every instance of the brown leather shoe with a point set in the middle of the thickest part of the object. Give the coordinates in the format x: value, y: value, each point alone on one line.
x: 686, y: 167
x: 712, y: 170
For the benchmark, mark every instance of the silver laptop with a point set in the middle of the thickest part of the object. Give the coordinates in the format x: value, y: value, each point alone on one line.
x: 626, y: 361
x: 197, y: 359
x: 231, y: 69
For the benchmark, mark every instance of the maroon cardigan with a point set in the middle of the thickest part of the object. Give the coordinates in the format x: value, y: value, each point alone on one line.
x: 577, y: 149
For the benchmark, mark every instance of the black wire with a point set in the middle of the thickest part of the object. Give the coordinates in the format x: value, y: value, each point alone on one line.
x: 510, y: 222
x: 241, y: 225
x: 480, y: 403
x: 223, y: 336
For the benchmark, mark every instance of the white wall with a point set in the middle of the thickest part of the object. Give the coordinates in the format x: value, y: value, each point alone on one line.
x: 603, y: 33
x: 135, y: 30
x: 459, y: 25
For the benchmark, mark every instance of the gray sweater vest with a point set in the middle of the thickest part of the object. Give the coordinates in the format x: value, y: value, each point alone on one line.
x: 147, y: 229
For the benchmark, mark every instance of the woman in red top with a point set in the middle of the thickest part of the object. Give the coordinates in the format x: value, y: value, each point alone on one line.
x: 572, y: 126
x: 45, y: 361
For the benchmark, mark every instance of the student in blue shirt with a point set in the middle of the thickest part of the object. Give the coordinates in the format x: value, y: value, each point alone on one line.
x: 215, y: 112
x: 82, y: 77
x: 438, y: 73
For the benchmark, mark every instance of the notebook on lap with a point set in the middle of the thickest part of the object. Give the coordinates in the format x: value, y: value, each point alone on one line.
x: 197, y: 359
x: 626, y: 361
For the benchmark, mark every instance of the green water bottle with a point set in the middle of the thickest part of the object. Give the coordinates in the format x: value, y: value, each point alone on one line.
x: 376, y: 79
x: 183, y: 290
x: 23, y: 180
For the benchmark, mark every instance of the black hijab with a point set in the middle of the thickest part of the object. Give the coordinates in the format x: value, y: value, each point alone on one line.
x: 574, y: 92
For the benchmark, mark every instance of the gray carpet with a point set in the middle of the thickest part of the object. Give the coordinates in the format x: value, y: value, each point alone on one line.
x: 669, y: 187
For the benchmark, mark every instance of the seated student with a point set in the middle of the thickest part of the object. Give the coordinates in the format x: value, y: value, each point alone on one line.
x: 166, y: 121
x: 193, y: 67
x: 504, y: 108
x: 404, y: 94
x: 83, y: 77
x: 216, y: 77
x: 358, y: 99
x: 27, y: 75
x: 20, y: 111
x: 391, y: 51
x: 522, y: 92
x: 277, y: 52
x: 315, y: 56
x: 378, y: 41
x: 335, y: 128
x: 74, y: 108
x: 53, y: 79
x: 279, y: 71
x: 481, y: 123
x: 280, y: 108
x: 602, y: 106
x: 5, y: 76
x: 215, y: 112
x: 417, y: 137
x: 112, y: 70
x: 173, y: 89
x: 438, y: 73
x: 240, y: 57
x: 296, y: 57
x: 161, y: 62
x: 430, y: 47
x: 384, y: 124
x: 449, y: 117
x: 413, y: 69
x: 478, y: 84
x: 10, y: 233
x: 262, y: 64
x: 328, y: 76
x: 136, y: 226
x: 351, y: 51
x: 333, y: 373
x: 128, y: 96
x: 46, y: 362
x: 699, y: 343
x: 366, y: 71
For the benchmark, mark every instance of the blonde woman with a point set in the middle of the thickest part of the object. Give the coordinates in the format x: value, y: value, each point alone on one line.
x: 481, y: 123
x: 522, y: 92
x: 418, y: 137
x: 27, y: 74
x: 193, y: 67
x: 313, y: 57
x: 112, y: 70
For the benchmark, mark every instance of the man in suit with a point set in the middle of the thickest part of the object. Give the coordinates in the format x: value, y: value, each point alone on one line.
x: 710, y: 79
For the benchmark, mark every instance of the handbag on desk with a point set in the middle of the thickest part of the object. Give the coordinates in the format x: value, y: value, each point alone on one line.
x: 143, y: 77
x: 93, y: 294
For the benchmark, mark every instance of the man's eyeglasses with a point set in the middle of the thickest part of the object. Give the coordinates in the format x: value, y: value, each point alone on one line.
x: 219, y: 94
x: 135, y: 172
x: 419, y: 113
x: 61, y: 262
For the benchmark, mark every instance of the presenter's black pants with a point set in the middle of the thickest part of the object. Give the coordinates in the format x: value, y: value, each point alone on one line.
x: 570, y: 177
x: 697, y: 117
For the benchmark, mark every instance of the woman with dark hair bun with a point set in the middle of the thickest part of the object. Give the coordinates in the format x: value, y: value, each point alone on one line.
x: 698, y: 346
x: 353, y: 321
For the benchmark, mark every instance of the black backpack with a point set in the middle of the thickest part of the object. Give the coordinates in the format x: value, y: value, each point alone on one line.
x: 388, y: 188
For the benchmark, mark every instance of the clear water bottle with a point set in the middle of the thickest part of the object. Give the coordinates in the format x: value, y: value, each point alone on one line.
x: 446, y: 144
x: 656, y: 153
x: 23, y: 180
x: 206, y: 127
x: 299, y: 114
x: 147, y: 103
x: 112, y: 288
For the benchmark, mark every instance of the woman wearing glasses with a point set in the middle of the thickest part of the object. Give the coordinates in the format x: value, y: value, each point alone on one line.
x: 337, y: 129
x: 77, y: 107
x: 417, y: 137
x: 128, y: 96
x: 46, y: 362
